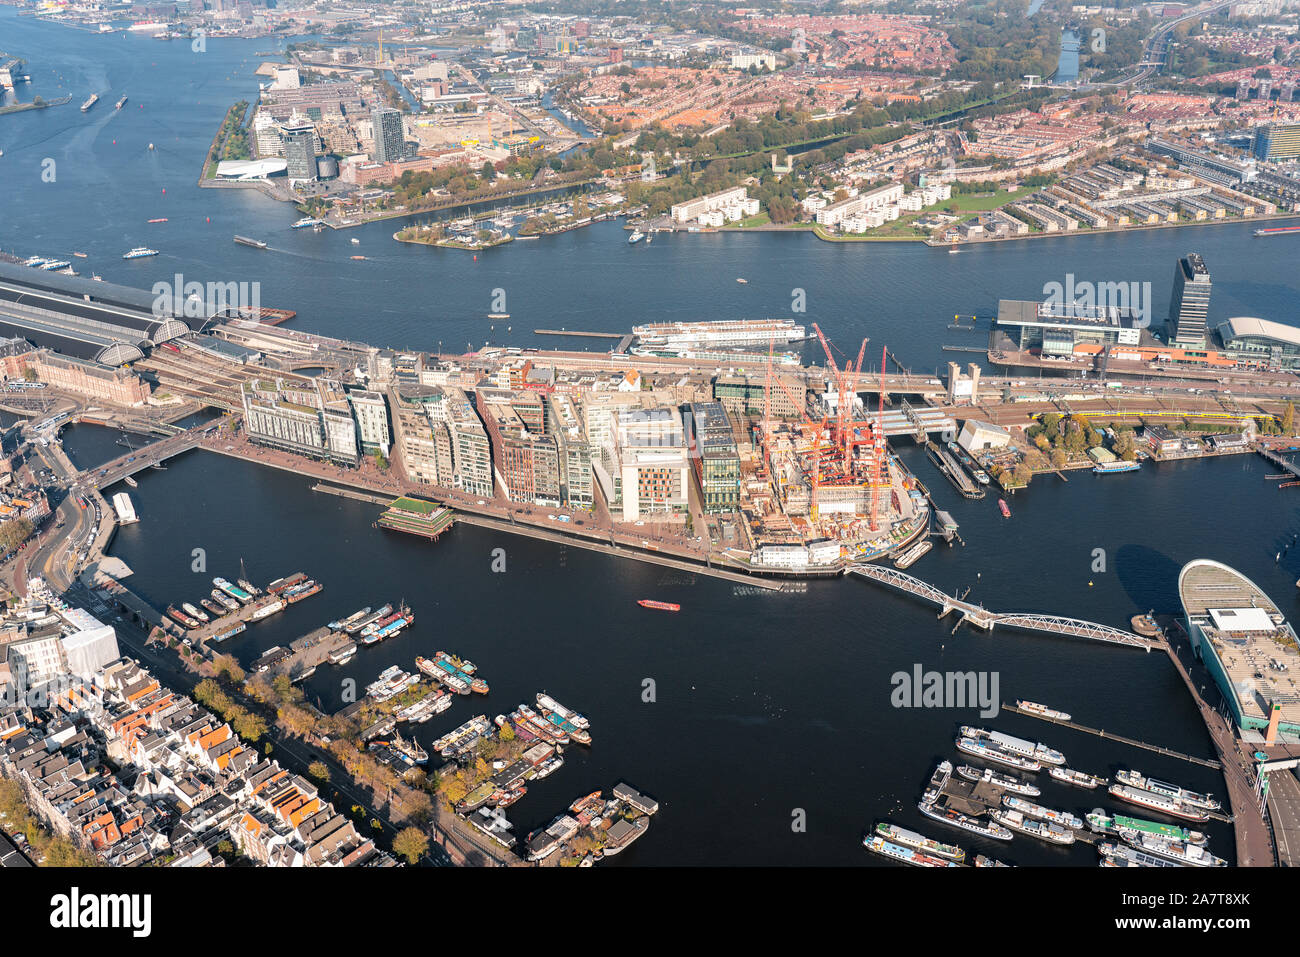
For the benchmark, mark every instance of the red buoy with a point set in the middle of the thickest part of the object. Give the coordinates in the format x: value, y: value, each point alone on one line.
x: 164, y: 190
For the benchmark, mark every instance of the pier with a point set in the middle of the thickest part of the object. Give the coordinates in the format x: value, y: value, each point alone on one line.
x: 352, y: 493
x: 1283, y: 463
x: 983, y: 618
x: 1132, y: 742
x: 580, y: 335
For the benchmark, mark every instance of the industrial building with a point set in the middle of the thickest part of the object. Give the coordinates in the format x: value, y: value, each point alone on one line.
x: 104, y: 322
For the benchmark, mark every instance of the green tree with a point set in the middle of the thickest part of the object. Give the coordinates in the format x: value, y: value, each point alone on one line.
x: 410, y: 843
x: 318, y: 771
x: 1288, y: 418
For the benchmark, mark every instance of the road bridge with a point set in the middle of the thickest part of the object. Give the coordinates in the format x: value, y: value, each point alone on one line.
x: 981, y: 617
x: 142, y: 458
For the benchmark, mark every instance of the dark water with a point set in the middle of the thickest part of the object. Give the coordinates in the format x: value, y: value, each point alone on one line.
x: 765, y: 705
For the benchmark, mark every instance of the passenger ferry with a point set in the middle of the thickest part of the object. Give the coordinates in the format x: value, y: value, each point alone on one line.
x: 140, y: 252
x: 1121, y: 466
x: 1030, y: 809
x: 906, y: 838
x: 1158, y: 802
x: 987, y: 752
x: 906, y: 855
x: 1042, y: 710
x: 635, y: 238
x: 1137, y: 780
x: 1004, y: 781
x: 305, y: 222
x: 1077, y: 778
x: 1043, y: 830
x: 948, y: 816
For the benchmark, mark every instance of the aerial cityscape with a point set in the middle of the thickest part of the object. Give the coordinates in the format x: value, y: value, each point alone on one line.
x: 569, y: 433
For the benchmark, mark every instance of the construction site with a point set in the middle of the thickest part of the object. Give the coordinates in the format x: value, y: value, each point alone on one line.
x: 828, y: 484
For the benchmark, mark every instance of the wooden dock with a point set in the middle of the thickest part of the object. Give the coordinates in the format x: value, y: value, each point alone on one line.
x: 1101, y: 733
x: 580, y: 335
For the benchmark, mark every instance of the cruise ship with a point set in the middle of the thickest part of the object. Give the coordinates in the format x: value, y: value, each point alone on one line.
x: 1136, y: 779
x: 1077, y: 778
x: 901, y: 835
x: 1004, y: 781
x: 947, y: 815
x: 906, y: 855
x: 1122, y: 855
x: 1158, y: 802
x: 1180, y: 852
x: 988, y: 752
x: 1043, y: 830
x: 680, y: 336
x: 1009, y: 743
x: 1030, y: 809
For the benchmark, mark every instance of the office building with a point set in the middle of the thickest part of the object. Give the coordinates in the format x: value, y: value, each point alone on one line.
x: 299, y: 138
x: 1279, y: 141
x: 715, y: 457
x: 1189, y: 307
x: 390, y: 141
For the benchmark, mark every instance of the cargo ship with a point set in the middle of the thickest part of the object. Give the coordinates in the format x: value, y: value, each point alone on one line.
x: 948, y: 816
x: 233, y: 591
x: 1136, y: 779
x: 659, y: 605
x: 161, y: 219
x: 1043, y: 830
x: 94, y: 98
x: 906, y: 838
x: 180, y: 617
x: 140, y: 252
x: 1108, y: 467
x: 1004, y: 781
x: 1035, y: 751
x: 1077, y: 778
x: 1277, y: 231
x: 1030, y: 809
x: 906, y: 855
x: 1042, y: 710
x: 1158, y: 802
x: 255, y: 243
x: 120, y: 103
x: 1103, y: 823
x: 987, y: 752
x: 549, y: 704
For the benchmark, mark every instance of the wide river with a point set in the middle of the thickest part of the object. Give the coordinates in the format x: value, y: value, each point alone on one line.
x: 768, y: 710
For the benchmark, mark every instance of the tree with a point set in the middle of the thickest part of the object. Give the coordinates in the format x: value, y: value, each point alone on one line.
x: 318, y: 771
x: 1058, y: 458
x: 1288, y: 418
x: 410, y: 843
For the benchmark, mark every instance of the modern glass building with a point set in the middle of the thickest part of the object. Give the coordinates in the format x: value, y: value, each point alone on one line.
x: 1261, y: 342
x: 299, y: 137
x: 1190, y: 305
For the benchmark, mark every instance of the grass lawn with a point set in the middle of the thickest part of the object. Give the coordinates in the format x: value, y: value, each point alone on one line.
x: 977, y: 203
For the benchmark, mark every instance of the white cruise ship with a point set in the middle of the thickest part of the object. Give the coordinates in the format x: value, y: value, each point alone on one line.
x: 682, y: 336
